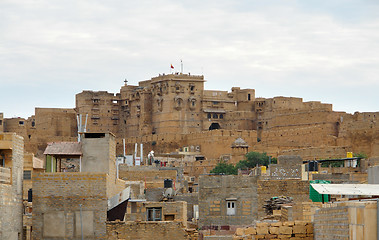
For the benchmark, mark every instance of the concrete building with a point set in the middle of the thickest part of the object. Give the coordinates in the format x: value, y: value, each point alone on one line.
x: 69, y: 205
x: 227, y: 200
x: 230, y: 200
x: 11, y: 176
x: 158, y: 211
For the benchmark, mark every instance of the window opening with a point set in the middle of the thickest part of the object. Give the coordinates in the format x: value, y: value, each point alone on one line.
x: 230, y: 208
x: 154, y: 214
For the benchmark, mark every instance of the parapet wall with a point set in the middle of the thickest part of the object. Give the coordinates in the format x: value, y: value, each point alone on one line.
x: 147, y: 230
x: 146, y: 173
x: 276, y: 230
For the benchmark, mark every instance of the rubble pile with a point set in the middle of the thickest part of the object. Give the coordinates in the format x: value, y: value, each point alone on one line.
x: 276, y: 203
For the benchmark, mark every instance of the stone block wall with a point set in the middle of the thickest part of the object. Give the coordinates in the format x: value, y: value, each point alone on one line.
x: 276, y: 230
x: 170, y: 211
x: 157, y: 230
x: 5, y: 175
x: 61, y: 200
x: 288, y: 167
x: 145, y: 173
x: 305, y: 211
x: 191, y: 199
x: 346, y: 220
x: 216, y: 190
x: 11, y: 206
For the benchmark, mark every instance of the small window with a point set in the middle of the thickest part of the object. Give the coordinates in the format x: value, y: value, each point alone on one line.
x: 215, y: 116
x: 192, y: 88
x: 193, y: 103
x: 27, y: 175
x: 95, y: 100
x: 1, y: 122
x: 248, y: 97
x: 221, y: 116
x: 33, y: 124
x: 209, y: 115
x: 169, y: 217
x: 154, y: 214
x: 21, y: 122
x: 230, y: 208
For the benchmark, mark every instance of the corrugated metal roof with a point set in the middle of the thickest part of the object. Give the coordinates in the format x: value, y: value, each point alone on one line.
x: 347, y: 189
x: 63, y: 148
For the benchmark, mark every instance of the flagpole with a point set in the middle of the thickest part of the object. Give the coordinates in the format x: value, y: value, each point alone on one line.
x: 181, y: 65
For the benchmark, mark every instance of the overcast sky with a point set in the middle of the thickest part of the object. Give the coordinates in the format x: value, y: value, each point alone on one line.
x: 320, y: 50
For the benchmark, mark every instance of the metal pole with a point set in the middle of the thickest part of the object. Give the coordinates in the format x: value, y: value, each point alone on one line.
x: 123, y: 144
x: 135, y: 153
x: 77, y: 121
x: 85, y: 124
x: 141, y: 153
x: 81, y: 220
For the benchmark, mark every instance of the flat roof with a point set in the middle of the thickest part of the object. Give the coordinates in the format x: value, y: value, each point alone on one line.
x: 347, y: 189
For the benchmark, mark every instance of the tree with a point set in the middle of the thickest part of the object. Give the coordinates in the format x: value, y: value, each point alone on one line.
x: 252, y: 159
x: 361, y: 155
x: 225, y: 168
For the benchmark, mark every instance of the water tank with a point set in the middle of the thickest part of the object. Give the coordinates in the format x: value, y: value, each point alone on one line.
x: 168, y: 183
x: 313, y: 166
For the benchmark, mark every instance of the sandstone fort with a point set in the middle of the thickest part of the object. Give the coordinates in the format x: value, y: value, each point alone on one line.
x: 138, y: 164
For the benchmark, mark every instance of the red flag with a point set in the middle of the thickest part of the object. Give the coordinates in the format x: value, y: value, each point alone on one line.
x: 172, y: 66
